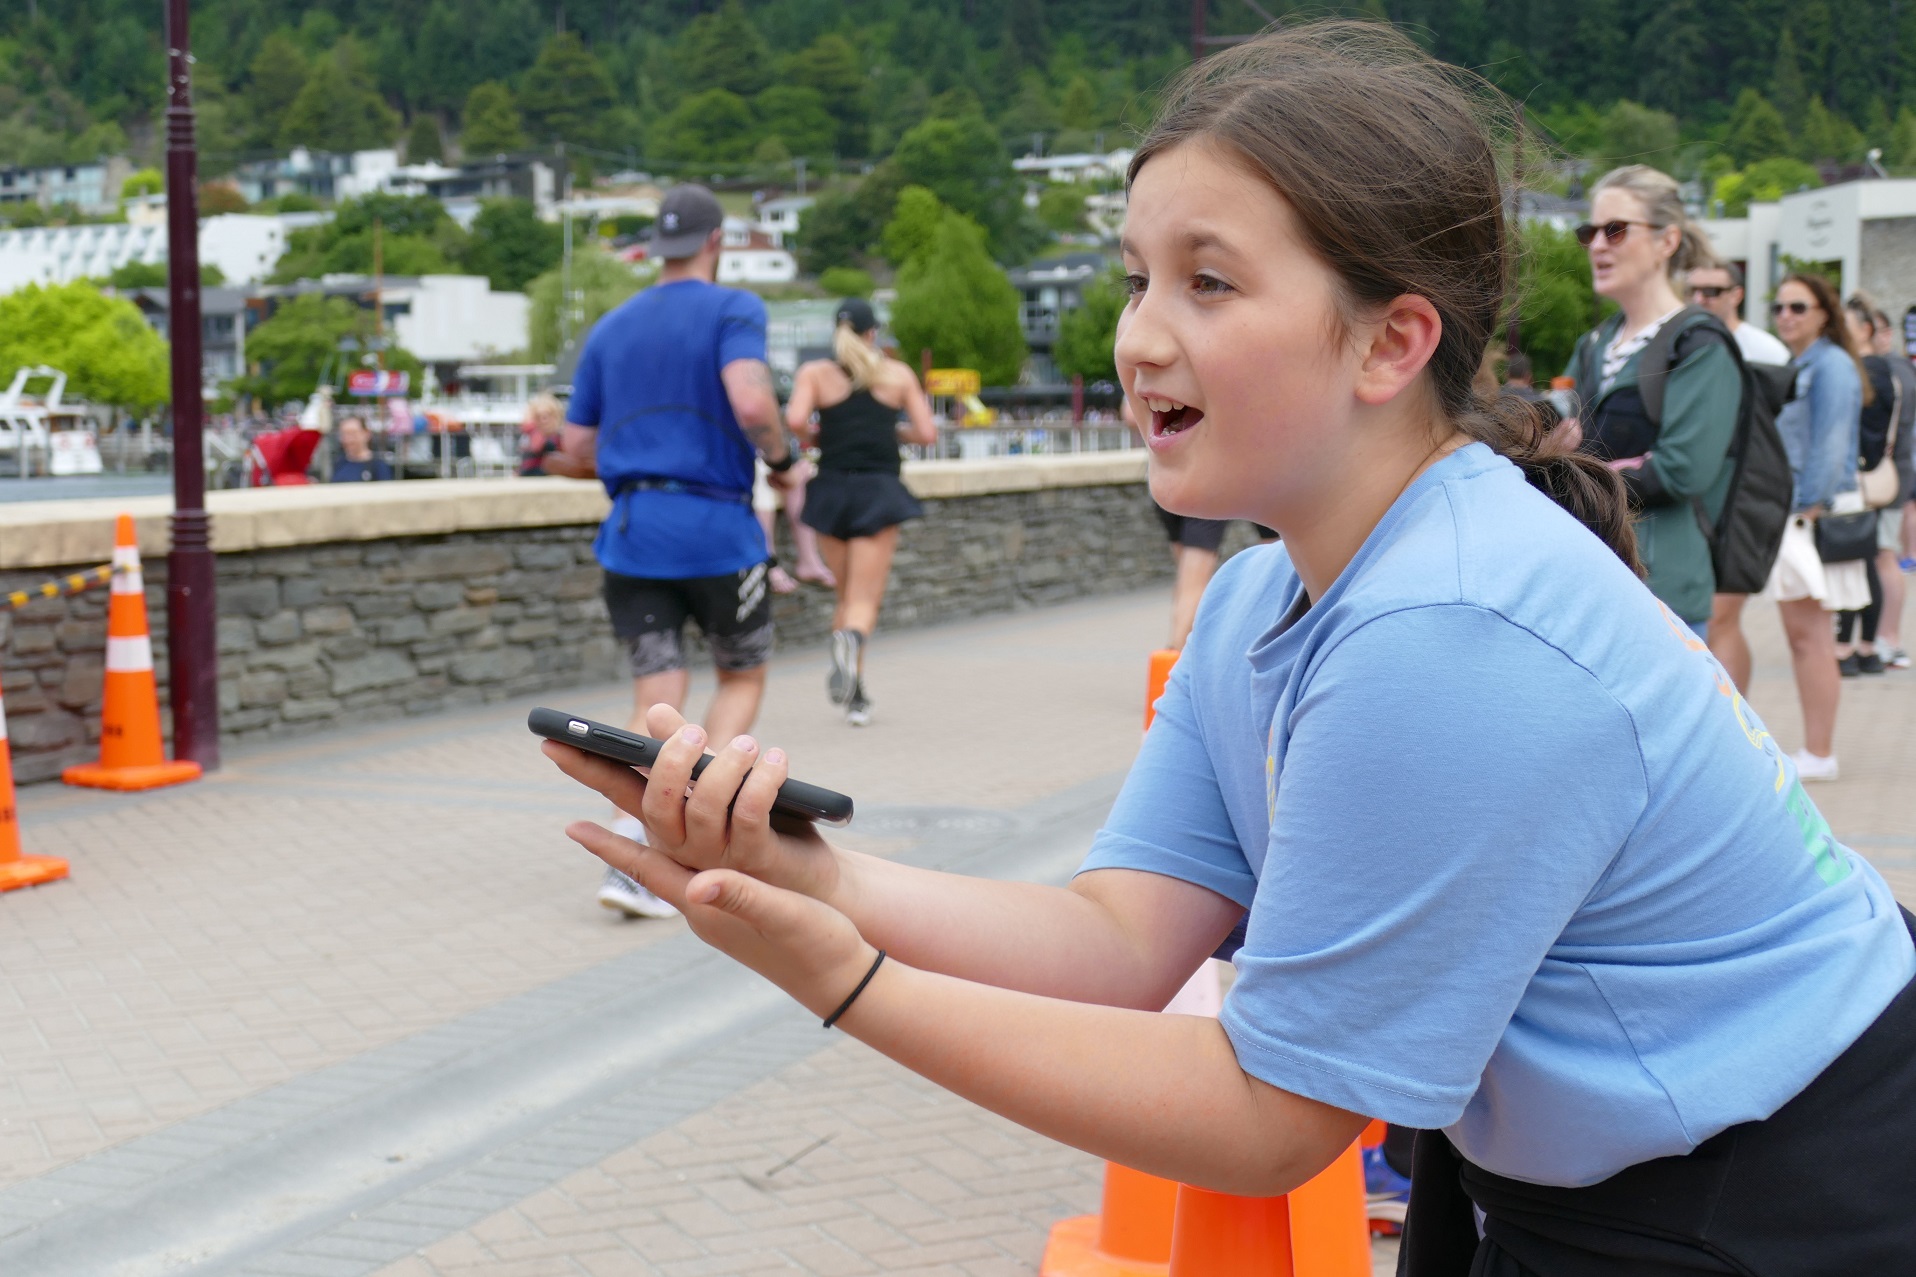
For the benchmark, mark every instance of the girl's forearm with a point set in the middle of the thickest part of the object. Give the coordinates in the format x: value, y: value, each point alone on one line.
x: 1015, y: 935
x: 1161, y: 1093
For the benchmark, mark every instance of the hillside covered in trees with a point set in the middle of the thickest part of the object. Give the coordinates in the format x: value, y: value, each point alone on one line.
x: 673, y: 83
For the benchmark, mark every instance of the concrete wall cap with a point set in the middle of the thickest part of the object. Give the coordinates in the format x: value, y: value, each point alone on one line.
x: 35, y: 534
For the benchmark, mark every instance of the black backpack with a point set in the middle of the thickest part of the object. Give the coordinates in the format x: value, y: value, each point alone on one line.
x: 1747, y: 533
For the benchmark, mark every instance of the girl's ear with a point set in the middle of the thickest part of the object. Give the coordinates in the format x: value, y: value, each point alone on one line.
x: 1398, y: 346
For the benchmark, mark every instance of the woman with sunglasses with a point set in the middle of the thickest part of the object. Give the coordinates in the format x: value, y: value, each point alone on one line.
x: 1640, y: 240
x: 1820, y: 429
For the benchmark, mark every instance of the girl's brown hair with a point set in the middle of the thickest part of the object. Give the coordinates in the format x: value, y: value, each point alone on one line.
x: 1382, y: 155
x: 1834, y: 326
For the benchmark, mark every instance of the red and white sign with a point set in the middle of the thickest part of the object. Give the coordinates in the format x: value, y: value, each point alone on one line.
x: 377, y: 381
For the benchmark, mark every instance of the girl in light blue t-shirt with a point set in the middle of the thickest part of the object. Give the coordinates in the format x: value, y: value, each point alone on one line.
x: 1499, y: 851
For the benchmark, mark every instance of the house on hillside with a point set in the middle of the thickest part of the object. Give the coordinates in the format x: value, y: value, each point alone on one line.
x: 93, y: 189
x: 1048, y: 288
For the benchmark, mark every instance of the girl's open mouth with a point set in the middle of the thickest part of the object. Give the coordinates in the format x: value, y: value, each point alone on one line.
x: 1169, y: 417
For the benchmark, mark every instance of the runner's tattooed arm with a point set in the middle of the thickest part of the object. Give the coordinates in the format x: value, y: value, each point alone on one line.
x: 748, y: 384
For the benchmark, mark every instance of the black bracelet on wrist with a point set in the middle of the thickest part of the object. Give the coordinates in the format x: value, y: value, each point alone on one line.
x: 791, y: 458
x: 846, y: 1005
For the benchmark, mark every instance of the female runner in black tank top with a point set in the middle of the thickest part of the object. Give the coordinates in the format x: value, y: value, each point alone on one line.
x: 849, y: 406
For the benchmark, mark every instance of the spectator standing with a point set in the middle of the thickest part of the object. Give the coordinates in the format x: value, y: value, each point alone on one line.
x: 1879, y: 430
x: 671, y: 399
x: 356, y: 463
x: 1640, y: 240
x: 1520, y: 379
x: 1819, y: 427
x: 540, y: 436
x: 1894, y: 522
x: 850, y: 404
x: 1718, y: 288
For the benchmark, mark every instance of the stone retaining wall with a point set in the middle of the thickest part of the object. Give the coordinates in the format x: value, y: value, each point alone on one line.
x: 341, y: 631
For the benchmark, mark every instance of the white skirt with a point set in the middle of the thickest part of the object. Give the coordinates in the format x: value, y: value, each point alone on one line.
x: 1800, y: 573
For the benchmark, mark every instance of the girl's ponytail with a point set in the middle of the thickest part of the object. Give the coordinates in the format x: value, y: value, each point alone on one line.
x: 1582, y: 485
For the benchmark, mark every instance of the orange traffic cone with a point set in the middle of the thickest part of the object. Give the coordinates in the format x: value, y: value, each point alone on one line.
x: 1130, y: 1236
x: 1160, y: 673
x: 1330, y: 1236
x: 1219, y: 1235
x: 131, y: 755
x: 16, y: 869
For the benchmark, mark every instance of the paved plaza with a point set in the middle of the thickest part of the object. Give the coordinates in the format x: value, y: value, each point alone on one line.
x: 348, y: 1006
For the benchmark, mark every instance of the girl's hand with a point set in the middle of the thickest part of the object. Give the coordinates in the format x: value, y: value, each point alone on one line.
x: 726, y: 822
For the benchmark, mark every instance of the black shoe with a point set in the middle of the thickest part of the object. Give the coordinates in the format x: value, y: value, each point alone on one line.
x: 1849, y: 666
x: 1869, y: 663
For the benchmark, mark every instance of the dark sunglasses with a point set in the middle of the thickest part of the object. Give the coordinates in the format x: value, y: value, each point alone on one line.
x: 1710, y: 291
x: 1795, y: 308
x: 1613, y: 231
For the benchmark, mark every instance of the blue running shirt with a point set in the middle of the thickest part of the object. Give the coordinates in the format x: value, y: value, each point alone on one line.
x: 648, y: 380
x: 1518, y: 861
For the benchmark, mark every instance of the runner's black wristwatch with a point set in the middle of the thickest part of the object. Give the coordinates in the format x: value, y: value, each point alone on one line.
x: 791, y: 457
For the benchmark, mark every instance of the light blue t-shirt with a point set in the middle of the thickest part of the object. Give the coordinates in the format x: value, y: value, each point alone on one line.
x: 1518, y: 861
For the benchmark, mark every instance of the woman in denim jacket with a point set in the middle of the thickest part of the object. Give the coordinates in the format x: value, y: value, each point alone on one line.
x: 1819, y: 428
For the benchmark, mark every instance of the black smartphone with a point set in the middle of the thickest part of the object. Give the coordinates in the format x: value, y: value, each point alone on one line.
x: 795, y: 797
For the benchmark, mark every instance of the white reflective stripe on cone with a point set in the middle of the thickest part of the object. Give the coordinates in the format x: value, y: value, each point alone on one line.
x: 129, y: 655
x: 3, y: 721
x: 126, y: 570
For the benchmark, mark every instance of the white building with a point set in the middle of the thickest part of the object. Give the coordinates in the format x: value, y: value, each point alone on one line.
x: 1081, y: 167
x: 458, y: 318
x: 244, y: 246
x: 779, y: 218
x: 1862, y: 234
x: 93, y: 188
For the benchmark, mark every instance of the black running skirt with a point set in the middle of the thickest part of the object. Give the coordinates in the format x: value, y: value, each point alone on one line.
x: 1823, y: 1187
x: 857, y: 503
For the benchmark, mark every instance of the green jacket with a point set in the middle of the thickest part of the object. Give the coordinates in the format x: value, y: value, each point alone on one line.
x: 1687, y: 457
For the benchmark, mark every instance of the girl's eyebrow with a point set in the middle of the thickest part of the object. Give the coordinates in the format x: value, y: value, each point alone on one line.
x: 1190, y: 241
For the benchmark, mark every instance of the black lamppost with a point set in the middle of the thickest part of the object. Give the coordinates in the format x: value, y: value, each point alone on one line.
x: 192, y: 647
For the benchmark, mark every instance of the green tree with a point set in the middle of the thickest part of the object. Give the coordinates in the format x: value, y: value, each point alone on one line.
x: 1827, y: 135
x: 273, y: 82
x: 1637, y: 134
x: 146, y: 181
x: 1078, y: 107
x: 796, y: 116
x: 338, y: 109
x: 1764, y: 182
x: 1555, y: 301
x: 1029, y: 111
x: 130, y: 275
x: 830, y: 66
x: 416, y: 237
x: 846, y: 281
x: 966, y: 167
x: 913, y: 225
x: 1787, y: 88
x: 492, y: 124
x: 599, y: 282
x: 1902, y: 140
x: 833, y: 232
x: 955, y: 301
x: 716, y: 125
x: 566, y: 95
x: 109, y: 353
x: 511, y: 246
x: 423, y: 142
x: 1088, y: 332
x: 723, y: 50
x: 1757, y: 131
x: 1061, y: 207
x: 301, y: 342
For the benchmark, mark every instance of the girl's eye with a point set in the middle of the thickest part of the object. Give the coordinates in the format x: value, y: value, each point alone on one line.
x: 1210, y: 285
x: 1134, y: 285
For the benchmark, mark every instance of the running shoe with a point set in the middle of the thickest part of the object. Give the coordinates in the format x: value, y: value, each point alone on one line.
x: 1869, y: 663
x: 1848, y: 666
x: 628, y: 897
x: 1897, y: 659
x: 1387, y: 1194
x: 858, y: 706
x: 1813, y: 767
x: 844, y: 675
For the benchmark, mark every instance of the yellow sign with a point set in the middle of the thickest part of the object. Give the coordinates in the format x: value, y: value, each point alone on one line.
x: 952, y: 381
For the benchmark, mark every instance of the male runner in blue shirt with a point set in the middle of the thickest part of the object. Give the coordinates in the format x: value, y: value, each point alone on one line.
x: 671, y: 399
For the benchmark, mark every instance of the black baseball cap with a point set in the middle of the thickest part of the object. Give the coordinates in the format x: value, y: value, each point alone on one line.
x: 857, y: 312
x: 687, y: 217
